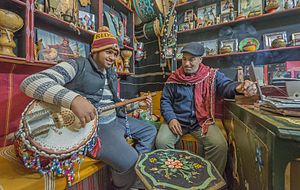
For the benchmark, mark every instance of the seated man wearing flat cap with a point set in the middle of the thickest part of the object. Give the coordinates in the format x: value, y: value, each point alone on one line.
x: 187, y: 104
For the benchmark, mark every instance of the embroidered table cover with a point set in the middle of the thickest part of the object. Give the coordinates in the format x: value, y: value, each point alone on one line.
x: 177, y: 169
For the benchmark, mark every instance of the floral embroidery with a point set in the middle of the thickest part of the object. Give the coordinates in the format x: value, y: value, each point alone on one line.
x: 152, y: 160
x: 172, y: 167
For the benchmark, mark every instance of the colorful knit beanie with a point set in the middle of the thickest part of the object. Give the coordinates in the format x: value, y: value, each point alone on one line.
x: 103, y: 39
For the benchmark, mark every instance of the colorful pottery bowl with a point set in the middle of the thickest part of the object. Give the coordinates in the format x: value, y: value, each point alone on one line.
x: 249, y: 44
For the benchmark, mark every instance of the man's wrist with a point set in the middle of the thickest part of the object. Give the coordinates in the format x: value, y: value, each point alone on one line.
x: 239, y: 88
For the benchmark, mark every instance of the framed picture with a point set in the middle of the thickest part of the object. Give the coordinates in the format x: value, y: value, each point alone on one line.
x: 66, y: 10
x: 86, y: 20
x: 296, y: 39
x: 211, y: 47
x: 51, y: 47
x: 191, y: 25
x: 270, y: 37
x: 184, y: 26
x: 207, y: 13
x: 229, y: 45
x: 225, y: 6
x: 188, y: 15
x: 178, y: 52
x: 225, y: 18
x: 276, y: 71
x: 39, y: 5
x: 247, y: 6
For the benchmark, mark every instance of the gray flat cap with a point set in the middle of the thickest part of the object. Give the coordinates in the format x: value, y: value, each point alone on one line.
x: 194, y: 48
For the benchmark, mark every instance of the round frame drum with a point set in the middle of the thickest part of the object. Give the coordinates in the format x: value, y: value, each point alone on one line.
x: 150, y: 30
x: 50, y: 138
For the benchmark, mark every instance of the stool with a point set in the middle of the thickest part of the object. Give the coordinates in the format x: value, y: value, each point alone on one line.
x: 177, y: 169
x: 190, y: 143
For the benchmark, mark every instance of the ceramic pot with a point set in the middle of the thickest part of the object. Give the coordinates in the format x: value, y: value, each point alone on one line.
x: 139, y: 53
x: 10, y: 22
x: 126, y: 54
x: 278, y: 43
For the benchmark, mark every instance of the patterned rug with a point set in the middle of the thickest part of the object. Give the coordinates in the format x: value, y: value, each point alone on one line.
x: 177, y: 169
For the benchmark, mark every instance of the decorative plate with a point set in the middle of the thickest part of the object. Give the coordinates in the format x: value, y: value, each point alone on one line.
x: 249, y: 42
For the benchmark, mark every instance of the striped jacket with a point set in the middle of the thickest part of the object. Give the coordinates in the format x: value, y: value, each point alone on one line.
x: 61, y: 83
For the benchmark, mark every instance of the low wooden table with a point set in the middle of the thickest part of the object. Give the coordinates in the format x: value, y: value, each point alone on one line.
x: 177, y: 169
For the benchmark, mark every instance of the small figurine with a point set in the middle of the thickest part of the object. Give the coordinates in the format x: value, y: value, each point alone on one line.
x: 240, y: 74
x: 240, y: 16
x: 199, y: 22
x: 288, y: 4
x: 272, y: 6
x: 231, y: 11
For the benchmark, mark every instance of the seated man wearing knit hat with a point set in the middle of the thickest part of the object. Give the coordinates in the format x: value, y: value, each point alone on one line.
x: 85, y: 84
x: 188, y: 101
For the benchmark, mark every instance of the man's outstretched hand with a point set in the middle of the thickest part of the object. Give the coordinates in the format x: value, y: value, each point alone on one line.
x: 248, y: 88
x: 83, y: 109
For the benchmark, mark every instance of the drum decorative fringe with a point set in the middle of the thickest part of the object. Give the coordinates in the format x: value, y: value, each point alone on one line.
x: 35, y: 151
x: 44, y: 165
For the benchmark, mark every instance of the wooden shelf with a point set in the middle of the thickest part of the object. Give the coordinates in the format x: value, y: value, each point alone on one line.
x: 49, y: 63
x: 293, y: 13
x: 22, y: 61
x: 118, y: 5
x: 42, y: 17
x: 16, y: 6
x: 124, y: 74
x: 10, y: 59
x: 186, y: 4
x: 253, y: 52
x: 19, y: 2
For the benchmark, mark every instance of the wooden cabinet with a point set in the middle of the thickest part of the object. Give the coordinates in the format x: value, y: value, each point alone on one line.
x: 264, y: 148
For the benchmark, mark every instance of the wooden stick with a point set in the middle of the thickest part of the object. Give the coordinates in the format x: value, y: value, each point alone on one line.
x: 123, y: 103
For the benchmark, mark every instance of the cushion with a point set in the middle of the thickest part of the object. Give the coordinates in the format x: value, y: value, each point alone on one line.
x: 16, y: 176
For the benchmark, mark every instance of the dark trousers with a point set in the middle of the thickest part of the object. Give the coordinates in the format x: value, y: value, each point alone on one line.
x: 117, y: 153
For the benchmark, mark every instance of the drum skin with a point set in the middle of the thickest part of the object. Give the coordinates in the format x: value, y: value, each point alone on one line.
x: 50, y: 139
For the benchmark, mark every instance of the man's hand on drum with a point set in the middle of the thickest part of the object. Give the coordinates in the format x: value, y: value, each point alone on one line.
x: 83, y: 109
x: 146, y: 102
